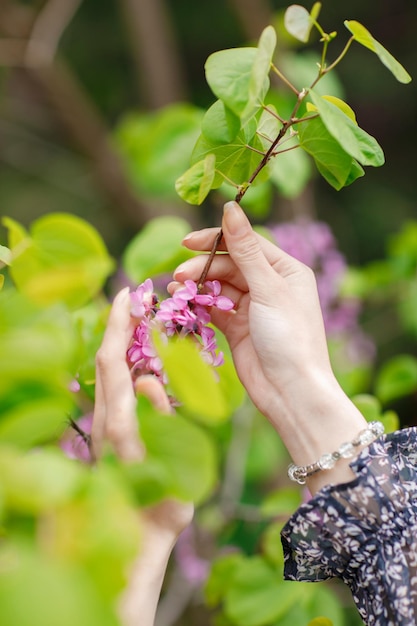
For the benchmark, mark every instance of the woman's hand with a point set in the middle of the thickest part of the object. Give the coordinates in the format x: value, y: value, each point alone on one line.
x: 277, y: 338
x: 115, y: 423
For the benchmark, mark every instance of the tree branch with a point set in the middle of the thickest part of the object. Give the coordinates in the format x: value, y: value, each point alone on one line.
x: 158, y: 65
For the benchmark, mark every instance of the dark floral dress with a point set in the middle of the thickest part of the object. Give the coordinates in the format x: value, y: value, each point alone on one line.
x: 365, y: 532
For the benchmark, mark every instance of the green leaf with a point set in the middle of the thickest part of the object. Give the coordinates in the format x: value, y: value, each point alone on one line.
x: 281, y: 502
x: 333, y: 163
x: 63, y: 260
x: 271, y: 545
x: 221, y: 576
x: 353, y: 140
x: 32, y: 483
x: 239, y: 76
x: 368, y: 405
x: 259, y: 82
x: 364, y: 37
x: 184, y: 451
x: 397, y: 378
x: 5, y: 255
x: 258, y: 595
x: 321, y: 621
x: 156, y: 248
x: 54, y: 592
x: 192, y: 381
x: 234, y: 160
x: 298, y: 21
x: 194, y: 185
x: 220, y: 124
x: 35, y: 421
x: 156, y: 147
x: 341, y: 104
x: 290, y: 172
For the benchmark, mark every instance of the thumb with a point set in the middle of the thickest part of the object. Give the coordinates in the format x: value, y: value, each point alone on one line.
x: 245, y: 250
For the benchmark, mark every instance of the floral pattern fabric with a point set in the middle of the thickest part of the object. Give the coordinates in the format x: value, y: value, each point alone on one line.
x: 364, y: 532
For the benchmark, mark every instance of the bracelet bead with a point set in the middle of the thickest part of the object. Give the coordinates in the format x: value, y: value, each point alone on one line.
x: 299, y: 473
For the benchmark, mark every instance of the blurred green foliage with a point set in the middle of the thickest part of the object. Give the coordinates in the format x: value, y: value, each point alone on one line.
x: 67, y: 534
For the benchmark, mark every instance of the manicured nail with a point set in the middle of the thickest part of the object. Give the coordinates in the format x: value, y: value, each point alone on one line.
x: 123, y: 294
x: 235, y: 220
x: 179, y: 270
x: 189, y: 236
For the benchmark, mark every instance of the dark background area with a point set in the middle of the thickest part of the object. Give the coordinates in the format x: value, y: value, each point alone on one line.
x: 117, y: 56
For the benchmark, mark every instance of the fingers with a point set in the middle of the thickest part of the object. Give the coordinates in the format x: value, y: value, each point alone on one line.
x: 241, y: 244
x: 114, y: 414
x: 222, y: 268
x: 153, y: 389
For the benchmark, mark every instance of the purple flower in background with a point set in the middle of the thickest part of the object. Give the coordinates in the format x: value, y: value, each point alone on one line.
x: 313, y: 244
x: 194, y: 568
x: 73, y: 444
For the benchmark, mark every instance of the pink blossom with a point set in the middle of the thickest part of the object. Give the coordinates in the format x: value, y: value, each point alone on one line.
x: 143, y: 299
x: 185, y: 313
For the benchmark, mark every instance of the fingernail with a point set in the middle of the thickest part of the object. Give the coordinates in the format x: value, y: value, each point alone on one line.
x: 189, y: 236
x: 123, y: 294
x: 235, y: 220
x: 179, y: 270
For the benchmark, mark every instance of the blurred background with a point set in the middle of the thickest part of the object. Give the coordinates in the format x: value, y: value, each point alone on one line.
x: 100, y: 104
x: 72, y: 70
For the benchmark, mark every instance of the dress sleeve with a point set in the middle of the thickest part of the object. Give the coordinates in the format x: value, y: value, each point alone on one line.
x: 364, y: 532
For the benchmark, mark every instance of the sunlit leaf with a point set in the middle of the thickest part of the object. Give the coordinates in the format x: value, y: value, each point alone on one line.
x: 54, y: 592
x: 259, y: 82
x: 192, y: 380
x: 220, y: 124
x: 298, y: 22
x: 282, y: 501
x: 321, y: 621
x: 364, y: 37
x: 333, y: 163
x: 64, y: 259
x: 368, y: 405
x: 359, y: 144
x: 397, y: 378
x: 290, y: 172
x: 185, y: 452
x: 235, y: 160
x: 258, y: 594
x: 35, y: 421
x: 156, y: 249
x: 5, y: 255
x: 156, y: 147
x: 220, y: 578
x: 33, y: 482
x: 343, y: 106
x: 230, y: 75
x: 194, y: 185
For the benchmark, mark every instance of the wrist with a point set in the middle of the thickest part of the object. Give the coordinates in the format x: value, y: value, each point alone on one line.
x: 313, y: 415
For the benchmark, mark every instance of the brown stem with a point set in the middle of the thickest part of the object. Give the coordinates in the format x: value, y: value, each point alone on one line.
x: 243, y: 188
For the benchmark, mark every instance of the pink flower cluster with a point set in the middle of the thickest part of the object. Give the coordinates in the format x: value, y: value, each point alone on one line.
x: 185, y: 313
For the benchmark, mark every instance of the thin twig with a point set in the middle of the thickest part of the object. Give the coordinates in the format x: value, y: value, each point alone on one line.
x: 47, y: 31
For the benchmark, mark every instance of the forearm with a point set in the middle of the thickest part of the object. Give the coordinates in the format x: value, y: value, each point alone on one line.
x: 313, y: 417
x: 139, y: 602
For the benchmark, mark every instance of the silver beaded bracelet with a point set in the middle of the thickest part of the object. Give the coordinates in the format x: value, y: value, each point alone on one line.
x: 299, y: 473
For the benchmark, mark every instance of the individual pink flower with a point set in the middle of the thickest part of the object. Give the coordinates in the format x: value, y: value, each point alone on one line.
x: 212, y: 296
x: 143, y: 299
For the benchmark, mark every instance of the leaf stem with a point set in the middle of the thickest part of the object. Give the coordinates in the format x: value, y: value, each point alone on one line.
x: 284, y: 79
x: 243, y: 188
